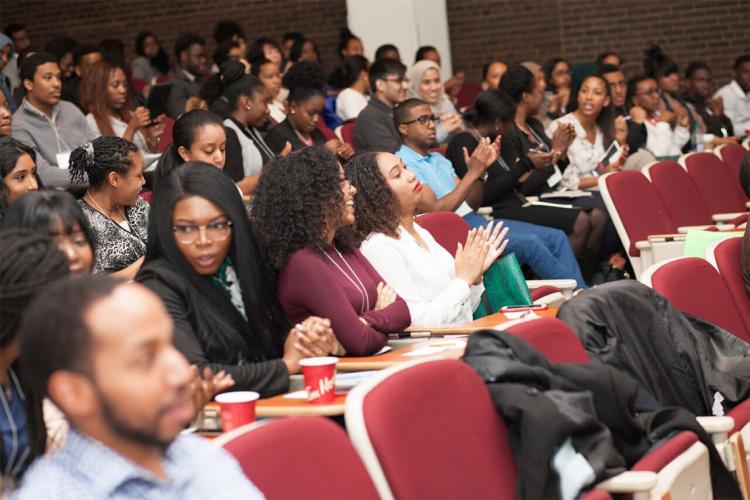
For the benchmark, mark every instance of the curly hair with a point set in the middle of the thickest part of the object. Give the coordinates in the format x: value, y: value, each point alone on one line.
x: 304, y: 80
x: 96, y: 159
x: 376, y: 206
x: 296, y: 198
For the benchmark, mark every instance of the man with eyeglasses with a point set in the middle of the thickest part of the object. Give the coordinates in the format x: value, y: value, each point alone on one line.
x: 618, y: 88
x: 545, y: 250
x: 375, y: 130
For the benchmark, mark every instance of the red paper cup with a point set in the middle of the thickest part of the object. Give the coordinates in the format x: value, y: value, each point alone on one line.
x: 237, y: 408
x: 319, y: 376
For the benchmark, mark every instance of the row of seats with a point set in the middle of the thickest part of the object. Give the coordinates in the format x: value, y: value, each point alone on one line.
x: 650, y: 210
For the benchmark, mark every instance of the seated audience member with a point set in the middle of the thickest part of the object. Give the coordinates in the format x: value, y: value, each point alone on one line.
x: 265, y: 48
x: 667, y: 131
x: 62, y: 48
x: 559, y: 77
x: 105, y: 92
x: 213, y: 88
x: 226, y: 31
x: 305, y: 81
x: 352, y: 77
x: 191, y: 64
x: 225, y: 51
x: 288, y: 40
x: 711, y: 110
x: 303, y: 50
x: 117, y: 216
x: 595, y: 129
x: 6, y: 55
x: 268, y: 74
x: 666, y: 72
x: 56, y: 213
x: 102, y: 351
x: 29, y: 262
x: 438, y: 289
x: 6, y: 117
x: 538, y: 72
x: 84, y: 56
x: 492, y: 117
x: 206, y: 268
x: 319, y: 270
x: 545, y: 250
x: 199, y: 135
x: 375, y: 130
x: 452, y: 86
x: 151, y: 60
x: 735, y: 96
x: 17, y: 171
x: 745, y: 183
x: 618, y: 89
x: 425, y: 84
x: 388, y: 50
x: 113, y: 51
x: 20, y: 38
x: 492, y: 73
x: 608, y: 59
x: 51, y: 126
x: 249, y: 109
x: 349, y: 44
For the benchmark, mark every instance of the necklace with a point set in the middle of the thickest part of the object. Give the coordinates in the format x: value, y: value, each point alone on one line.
x: 101, y: 210
x: 362, y: 289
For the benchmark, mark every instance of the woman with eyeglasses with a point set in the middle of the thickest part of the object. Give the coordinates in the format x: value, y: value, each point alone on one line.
x: 204, y: 264
x: 559, y: 78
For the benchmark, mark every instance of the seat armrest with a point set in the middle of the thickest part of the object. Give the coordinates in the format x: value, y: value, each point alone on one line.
x: 720, y: 227
x: 630, y: 482
x: 726, y: 217
x: 566, y: 286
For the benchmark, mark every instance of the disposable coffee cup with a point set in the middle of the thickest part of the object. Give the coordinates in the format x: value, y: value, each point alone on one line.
x: 237, y: 408
x: 319, y: 374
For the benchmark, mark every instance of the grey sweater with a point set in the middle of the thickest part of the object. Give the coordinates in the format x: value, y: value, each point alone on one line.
x: 62, y: 133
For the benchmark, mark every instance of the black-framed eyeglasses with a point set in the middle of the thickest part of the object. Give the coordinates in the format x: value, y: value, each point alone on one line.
x: 424, y: 120
x: 398, y: 79
x: 216, y: 231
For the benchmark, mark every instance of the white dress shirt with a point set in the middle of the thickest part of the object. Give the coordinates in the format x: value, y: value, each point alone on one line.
x: 663, y: 140
x: 424, y: 277
x: 349, y: 103
x: 736, y: 106
x: 119, y: 127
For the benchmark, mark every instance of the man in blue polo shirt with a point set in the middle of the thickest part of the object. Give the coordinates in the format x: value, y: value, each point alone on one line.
x: 545, y: 250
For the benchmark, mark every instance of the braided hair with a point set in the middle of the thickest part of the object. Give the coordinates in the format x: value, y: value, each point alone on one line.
x: 100, y: 157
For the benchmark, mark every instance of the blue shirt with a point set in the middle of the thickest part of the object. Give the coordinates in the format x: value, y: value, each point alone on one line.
x: 86, y: 469
x: 15, y: 439
x: 435, y: 170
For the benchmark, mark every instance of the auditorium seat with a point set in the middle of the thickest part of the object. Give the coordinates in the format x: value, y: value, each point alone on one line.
x: 346, y: 131
x: 731, y: 155
x: 552, y: 337
x: 720, y: 191
x: 726, y: 257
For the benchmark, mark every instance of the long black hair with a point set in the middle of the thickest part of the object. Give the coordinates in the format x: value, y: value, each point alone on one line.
x: 606, y: 119
x: 245, y: 86
x: 549, y: 68
x: 230, y: 71
x: 489, y: 106
x: 376, y: 205
x: 183, y: 134
x: 96, y: 159
x: 10, y: 151
x: 48, y: 212
x: 348, y: 72
x: 160, y: 61
x: 345, y: 36
x: 267, y: 323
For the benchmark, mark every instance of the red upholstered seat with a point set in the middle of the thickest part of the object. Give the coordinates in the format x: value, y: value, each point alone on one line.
x: 658, y: 458
x: 434, y: 432
x: 727, y: 256
x: 721, y: 192
x: 347, y: 131
x: 305, y: 457
x: 448, y: 228
x: 147, y: 195
x: 327, y: 132
x: 466, y: 95
x: 678, y: 194
x: 694, y: 286
x: 731, y: 155
x: 166, y: 138
x: 553, y: 338
x: 638, y: 207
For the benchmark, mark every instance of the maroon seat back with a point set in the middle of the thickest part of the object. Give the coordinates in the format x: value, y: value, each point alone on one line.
x: 678, y: 194
x: 720, y: 191
x: 731, y: 155
x: 639, y: 207
x: 728, y: 257
x: 448, y: 228
x: 553, y: 338
x: 659, y: 457
x: 466, y: 95
x: 693, y: 286
x: 305, y: 457
x: 437, y: 434
x: 166, y: 138
x: 347, y: 132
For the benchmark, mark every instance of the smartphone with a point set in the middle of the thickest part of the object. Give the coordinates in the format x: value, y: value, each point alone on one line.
x: 534, y: 307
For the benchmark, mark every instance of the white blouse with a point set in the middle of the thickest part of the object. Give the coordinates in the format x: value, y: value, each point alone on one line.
x: 119, y: 127
x: 582, y: 155
x: 424, y: 278
x: 349, y: 103
x: 662, y: 140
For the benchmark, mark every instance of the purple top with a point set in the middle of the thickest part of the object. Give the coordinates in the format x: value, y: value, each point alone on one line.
x: 311, y: 284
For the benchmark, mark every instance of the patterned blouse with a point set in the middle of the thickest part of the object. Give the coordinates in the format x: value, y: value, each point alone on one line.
x: 116, y: 246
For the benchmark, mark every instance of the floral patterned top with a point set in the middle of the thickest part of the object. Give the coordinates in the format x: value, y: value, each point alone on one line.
x: 116, y: 246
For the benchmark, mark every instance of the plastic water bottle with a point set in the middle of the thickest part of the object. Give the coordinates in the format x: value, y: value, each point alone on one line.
x: 697, y: 138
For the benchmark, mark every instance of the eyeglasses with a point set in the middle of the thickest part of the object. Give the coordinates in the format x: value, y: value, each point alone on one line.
x: 216, y: 231
x: 424, y: 120
x: 400, y: 80
x: 653, y: 91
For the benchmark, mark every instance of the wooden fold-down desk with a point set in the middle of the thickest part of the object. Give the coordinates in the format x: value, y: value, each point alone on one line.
x: 480, y: 324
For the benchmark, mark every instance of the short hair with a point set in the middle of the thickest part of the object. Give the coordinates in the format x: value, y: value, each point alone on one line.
x: 113, y: 50
x: 60, y: 45
x: 695, y: 66
x: 348, y: 72
x: 345, y: 36
x: 486, y: 67
x: 422, y: 51
x: 491, y: 105
x: 403, y: 109
x: 304, y: 80
x: 658, y: 64
x: 743, y: 59
x: 633, y: 84
x: 607, y: 68
x: 227, y: 30
x: 185, y: 41
x: 82, y: 51
x: 603, y: 55
x: 31, y: 63
x: 517, y: 81
x: 244, y: 86
x: 549, y: 67
x: 257, y: 63
x: 386, y: 47
x: 13, y: 28
x: 383, y: 68
x: 292, y: 35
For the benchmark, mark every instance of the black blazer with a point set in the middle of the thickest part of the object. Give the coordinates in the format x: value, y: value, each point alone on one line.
x: 283, y: 132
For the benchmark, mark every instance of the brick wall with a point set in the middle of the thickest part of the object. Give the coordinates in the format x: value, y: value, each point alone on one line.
x: 712, y: 30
